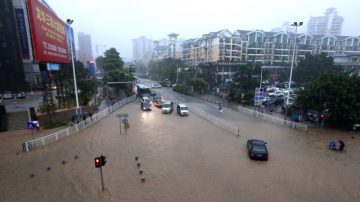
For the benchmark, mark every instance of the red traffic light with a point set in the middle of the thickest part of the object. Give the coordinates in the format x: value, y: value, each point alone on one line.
x: 322, y: 116
x: 97, y: 162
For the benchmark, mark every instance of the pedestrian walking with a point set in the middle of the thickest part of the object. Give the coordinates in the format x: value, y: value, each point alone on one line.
x: 341, y: 146
x: 37, y: 125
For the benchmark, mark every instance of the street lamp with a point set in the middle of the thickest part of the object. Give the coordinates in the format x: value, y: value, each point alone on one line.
x: 296, y: 25
x: 77, y: 110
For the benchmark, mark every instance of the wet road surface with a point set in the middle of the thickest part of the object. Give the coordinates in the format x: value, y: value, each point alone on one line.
x: 184, y: 159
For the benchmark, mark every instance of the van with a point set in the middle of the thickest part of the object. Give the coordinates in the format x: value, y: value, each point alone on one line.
x: 167, y: 107
x: 182, y: 110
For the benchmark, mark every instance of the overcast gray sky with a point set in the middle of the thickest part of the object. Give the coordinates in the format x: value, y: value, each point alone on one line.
x: 115, y: 22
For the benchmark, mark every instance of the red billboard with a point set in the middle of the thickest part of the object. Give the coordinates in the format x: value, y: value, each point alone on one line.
x: 48, y: 34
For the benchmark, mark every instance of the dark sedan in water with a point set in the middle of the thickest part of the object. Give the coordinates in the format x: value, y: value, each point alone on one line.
x: 257, y: 149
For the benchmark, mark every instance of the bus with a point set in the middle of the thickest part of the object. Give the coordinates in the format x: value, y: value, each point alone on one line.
x: 142, y: 89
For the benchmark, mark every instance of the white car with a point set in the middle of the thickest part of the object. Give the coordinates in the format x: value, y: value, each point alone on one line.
x: 156, y: 86
x: 167, y: 107
x: 277, y: 94
x: 266, y: 99
x: 8, y: 95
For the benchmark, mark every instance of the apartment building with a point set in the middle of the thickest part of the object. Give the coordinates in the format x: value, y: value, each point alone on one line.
x: 329, y: 24
x: 267, y: 48
x: 85, y: 48
x: 142, y: 48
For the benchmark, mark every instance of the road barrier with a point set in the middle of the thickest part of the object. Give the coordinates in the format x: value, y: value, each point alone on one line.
x: 219, y: 122
x: 257, y: 114
x: 273, y: 119
x: 39, y: 142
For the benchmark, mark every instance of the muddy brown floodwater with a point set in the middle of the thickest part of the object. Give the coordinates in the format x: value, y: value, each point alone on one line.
x: 183, y: 159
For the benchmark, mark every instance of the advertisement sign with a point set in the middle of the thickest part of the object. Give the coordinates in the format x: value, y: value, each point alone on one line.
x: 20, y: 19
x: 91, y: 68
x: 52, y: 67
x: 70, y: 40
x: 48, y: 34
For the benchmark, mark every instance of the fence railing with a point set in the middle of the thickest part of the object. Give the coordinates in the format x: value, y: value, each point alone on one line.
x: 273, y: 119
x: 219, y: 122
x: 39, y: 142
x: 257, y: 114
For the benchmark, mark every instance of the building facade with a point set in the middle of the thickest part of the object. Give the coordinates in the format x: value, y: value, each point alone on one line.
x: 142, y: 48
x: 26, y: 49
x: 329, y: 24
x: 85, y: 48
x: 267, y: 48
x: 12, y: 75
x: 350, y: 63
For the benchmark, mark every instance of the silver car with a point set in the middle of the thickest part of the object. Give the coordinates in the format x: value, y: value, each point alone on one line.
x: 21, y: 94
x: 167, y: 107
x: 8, y: 95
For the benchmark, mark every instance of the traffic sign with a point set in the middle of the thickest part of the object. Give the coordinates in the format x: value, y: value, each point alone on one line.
x: 30, y: 125
x: 259, y: 96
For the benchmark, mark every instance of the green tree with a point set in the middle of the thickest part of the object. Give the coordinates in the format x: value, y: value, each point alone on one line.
x: 199, y: 84
x: 80, y: 71
x: 87, y: 89
x: 336, y: 94
x: 313, y: 66
x: 111, y: 61
x: 208, y: 73
x: 165, y: 69
x: 116, y: 76
x: 244, y: 83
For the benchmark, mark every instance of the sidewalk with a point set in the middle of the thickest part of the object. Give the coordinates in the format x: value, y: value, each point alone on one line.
x: 9, y: 138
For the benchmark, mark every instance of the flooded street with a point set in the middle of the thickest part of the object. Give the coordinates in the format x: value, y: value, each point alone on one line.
x: 183, y: 159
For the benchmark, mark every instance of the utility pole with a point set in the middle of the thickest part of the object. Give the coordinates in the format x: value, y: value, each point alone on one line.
x: 177, y: 73
x: 296, y: 25
x: 162, y: 70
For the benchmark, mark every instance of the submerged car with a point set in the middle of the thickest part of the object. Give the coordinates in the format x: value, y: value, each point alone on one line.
x: 8, y: 95
x: 156, y: 86
x: 146, y: 106
x: 158, y: 102
x: 20, y: 94
x: 182, y: 110
x: 145, y: 99
x: 167, y: 107
x: 257, y: 149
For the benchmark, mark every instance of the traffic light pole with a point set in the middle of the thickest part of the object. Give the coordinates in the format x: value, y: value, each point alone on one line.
x: 102, y: 179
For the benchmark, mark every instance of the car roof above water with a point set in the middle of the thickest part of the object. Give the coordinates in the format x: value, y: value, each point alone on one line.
x: 257, y: 142
x: 182, y: 105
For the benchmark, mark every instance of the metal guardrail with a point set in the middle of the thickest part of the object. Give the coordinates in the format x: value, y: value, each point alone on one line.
x: 273, y: 119
x: 257, y: 114
x: 219, y: 122
x: 39, y: 142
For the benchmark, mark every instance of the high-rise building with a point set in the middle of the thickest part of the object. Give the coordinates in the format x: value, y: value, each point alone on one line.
x: 172, y: 44
x: 11, y: 66
x: 329, y: 24
x: 85, y: 48
x: 142, y: 48
x: 286, y: 27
